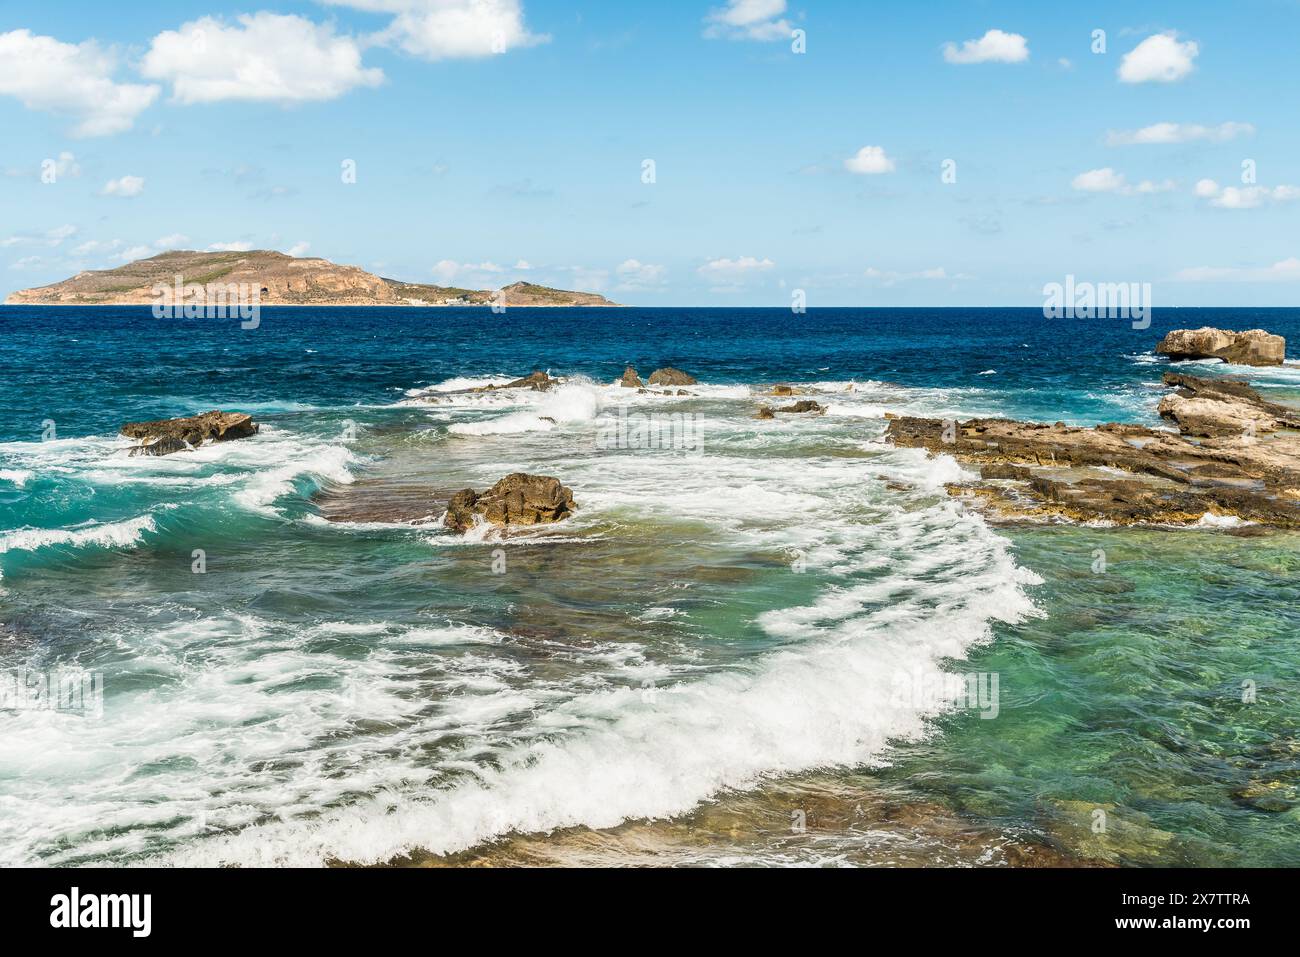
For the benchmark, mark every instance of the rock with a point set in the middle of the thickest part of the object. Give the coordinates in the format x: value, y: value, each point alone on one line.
x: 631, y: 380
x: 1163, y: 477
x: 805, y: 405
x: 765, y: 412
x: 1254, y: 347
x: 166, y: 436
x: 518, y: 499
x: 782, y: 389
x: 537, y: 381
x: 670, y: 376
x: 1221, y: 407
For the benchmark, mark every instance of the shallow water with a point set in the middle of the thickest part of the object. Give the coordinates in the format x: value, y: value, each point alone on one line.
x: 733, y: 653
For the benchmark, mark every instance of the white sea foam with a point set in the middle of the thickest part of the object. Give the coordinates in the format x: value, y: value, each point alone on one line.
x: 17, y: 477
x: 91, y: 535
x: 575, y: 402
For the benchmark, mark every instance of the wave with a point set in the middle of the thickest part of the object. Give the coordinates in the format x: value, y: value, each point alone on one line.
x: 567, y: 404
x: 829, y: 696
x: 91, y: 535
x: 17, y: 477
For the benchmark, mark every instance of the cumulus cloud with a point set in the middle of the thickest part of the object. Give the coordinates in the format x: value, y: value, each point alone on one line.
x: 266, y: 56
x: 70, y: 79
x: 889, y: 277
x: 298, y: 249
x: 235, y: 247
x: 994, y: 47
x: 735, y: 270
x: 51, y: 237
x: 1104, y: 180
x: 1179, y: 133
x: 1160, y: 58
x: 869, y: 160
x: 633, y: 274
x: 748, y: 20
x: 125, y: 186
x: 1244, y: 197
x: 451, y: 29
x: 1287, y: 270
x: 447, y: 271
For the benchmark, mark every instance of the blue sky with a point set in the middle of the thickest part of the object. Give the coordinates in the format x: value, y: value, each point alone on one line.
x: 496, y: 140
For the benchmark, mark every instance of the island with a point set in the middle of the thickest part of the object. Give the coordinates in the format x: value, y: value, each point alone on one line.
x: 279, y: 280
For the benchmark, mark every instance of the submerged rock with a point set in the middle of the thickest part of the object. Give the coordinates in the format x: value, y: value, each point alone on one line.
x: 670, y: 376
x: 166, y: 436
x: 765, y: 412
x: 518, y: 499
x: 1254, y: 347
x: 630, y: 379
x: 782, y: 389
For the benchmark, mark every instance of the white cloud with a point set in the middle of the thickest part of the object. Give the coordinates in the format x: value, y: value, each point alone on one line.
x: 734, y: 270
x: 633, y: 274
x: 236, y: 247
x: 1288, y: 270
x: 869, y: 160
x: 1179, y: 133
x: 74, y: 80
x: 748, y: 20
x: 134, y: 253
x: 174, y: 241
x: 51, y: 237
x: 96, y: 246
x: 1104, y: 180
x: 1158, y: 59
x: 267, y: 57
x: 994, y: 47
x: 450, y: 29
x: 1152, y: 186
x: 523, y: 265
x: 125, y: 186
x: 446, y: 271
x: 888, y: 277
x: 1206, y: 188
x: 1248, y: 197
x: 298, y: 249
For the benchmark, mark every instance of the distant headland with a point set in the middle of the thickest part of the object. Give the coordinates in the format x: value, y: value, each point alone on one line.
x: 280, y: 280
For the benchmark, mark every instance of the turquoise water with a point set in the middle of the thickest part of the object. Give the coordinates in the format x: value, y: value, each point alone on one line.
x: 726, y: 632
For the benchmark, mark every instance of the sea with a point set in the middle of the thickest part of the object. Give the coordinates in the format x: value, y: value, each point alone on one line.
x: 755, y: 642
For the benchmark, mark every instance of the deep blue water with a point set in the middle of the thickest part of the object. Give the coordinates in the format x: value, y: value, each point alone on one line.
x: 90, y: 370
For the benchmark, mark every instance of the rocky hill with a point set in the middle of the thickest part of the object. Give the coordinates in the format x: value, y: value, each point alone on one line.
x: 280, y: 280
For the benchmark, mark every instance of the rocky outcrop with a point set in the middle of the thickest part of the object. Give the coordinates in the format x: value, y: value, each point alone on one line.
x: 670, y: 376
x: 177, y: 435
x: 630, y: 379
x: 1254, y: 347
x: 1129, y: 473
x: 518, y: 499
x: 1209, y: 407
x: 765, y: 412
x: 804, y: 406
x: 537, y: 381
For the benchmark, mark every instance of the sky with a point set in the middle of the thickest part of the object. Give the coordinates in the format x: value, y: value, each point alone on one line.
x: 675, y: 152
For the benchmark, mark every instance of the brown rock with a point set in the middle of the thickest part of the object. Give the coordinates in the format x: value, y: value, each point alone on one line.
x: 1254, y: 347
x: 805, y: 405
x: 670, y: 376
x: 518, y: 499
x: 765, y: 412
x: 782, y: 389
x: 631, y: 380
x: 177, y: 435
